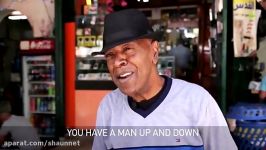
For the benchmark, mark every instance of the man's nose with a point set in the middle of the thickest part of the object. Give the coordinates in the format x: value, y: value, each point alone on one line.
x: 120, y: 60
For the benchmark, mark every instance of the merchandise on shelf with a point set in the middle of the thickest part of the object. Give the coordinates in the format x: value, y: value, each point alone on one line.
x: 39, y: 92
x: 91, y: 68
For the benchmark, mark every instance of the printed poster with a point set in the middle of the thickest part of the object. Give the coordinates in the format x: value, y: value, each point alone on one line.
x: 245, y: 20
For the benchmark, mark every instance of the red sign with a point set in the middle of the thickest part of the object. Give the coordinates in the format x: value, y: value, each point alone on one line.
x: 37, y: 44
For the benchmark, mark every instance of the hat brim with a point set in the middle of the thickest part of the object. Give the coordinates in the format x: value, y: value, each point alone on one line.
x: 154, y: 35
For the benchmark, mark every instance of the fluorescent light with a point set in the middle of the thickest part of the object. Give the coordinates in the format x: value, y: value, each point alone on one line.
x: 168, y: 30
x: 210, y: 14
x: 16, y: 13
x: 168, y: 47
x: 17, y: 17
x: 220, y: 5
x: 145, y: 1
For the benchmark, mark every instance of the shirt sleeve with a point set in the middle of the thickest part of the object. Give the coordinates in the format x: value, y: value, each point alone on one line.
x: 214, y: 130
x: 99, y: 141
x: 263, y: 84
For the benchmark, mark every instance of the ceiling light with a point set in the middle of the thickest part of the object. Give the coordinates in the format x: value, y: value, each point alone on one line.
x: 145, y: 1
x: 16, y: 13
x: 21, y: 17
x: 210, y: 14
x: 168, y: 30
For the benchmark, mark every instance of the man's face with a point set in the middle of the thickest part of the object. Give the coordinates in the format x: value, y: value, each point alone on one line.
x: 132, y: 65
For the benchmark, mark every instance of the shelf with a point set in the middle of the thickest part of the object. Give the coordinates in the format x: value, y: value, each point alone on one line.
x: 83, y: 69
x: 90, y: 58
x: 39, y: 82
x: 39, y: 65
x: 30, y: 95
x: 95, y: 79
x: 39, y: 93
x: 92, y: 71
x: 40, y: 112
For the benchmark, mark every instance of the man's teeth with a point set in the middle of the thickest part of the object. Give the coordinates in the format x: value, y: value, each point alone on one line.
x: 125, y: 74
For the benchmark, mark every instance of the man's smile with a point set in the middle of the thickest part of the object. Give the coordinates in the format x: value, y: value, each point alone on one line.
x: 124, y: 76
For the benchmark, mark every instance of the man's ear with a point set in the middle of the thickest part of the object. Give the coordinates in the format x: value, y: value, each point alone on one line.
x: 155, y: 48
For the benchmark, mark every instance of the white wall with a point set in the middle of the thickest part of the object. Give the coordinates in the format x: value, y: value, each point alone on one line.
x: 40, y: 14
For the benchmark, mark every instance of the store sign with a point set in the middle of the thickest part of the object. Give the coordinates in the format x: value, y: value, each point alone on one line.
x: 47, y: 44
x: 245, y: 20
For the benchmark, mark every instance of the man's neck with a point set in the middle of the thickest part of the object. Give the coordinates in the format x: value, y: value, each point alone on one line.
x: 154, y: 87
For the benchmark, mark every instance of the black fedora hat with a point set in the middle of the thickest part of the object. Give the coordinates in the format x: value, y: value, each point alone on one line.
x: 125, y: 26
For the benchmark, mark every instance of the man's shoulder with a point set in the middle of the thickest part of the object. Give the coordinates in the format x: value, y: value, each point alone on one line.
x: 182, y: 84
x: 113, y: 98
x: 189, y: 91
x: 115, y: 94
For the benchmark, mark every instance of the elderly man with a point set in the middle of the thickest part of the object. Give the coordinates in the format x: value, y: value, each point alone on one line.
x: 147, y: 101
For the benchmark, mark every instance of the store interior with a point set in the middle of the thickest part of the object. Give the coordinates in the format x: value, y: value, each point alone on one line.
x: 49, y: 76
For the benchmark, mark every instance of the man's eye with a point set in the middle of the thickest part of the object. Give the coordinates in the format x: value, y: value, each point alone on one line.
x: 128, y: 50
x: 109, y: 55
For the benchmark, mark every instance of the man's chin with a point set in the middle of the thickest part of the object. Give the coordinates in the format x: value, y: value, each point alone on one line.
x: 127, y: 91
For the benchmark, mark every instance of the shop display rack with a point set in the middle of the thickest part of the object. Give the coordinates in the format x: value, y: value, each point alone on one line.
x: 39, y: 93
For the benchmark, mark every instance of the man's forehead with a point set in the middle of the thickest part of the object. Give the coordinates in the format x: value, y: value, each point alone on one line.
x: 130, y: 43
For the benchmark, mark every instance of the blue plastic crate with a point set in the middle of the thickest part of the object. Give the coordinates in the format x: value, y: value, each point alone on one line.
x: 250, y: 132
x: 250, y: 135
x: 247, y: 111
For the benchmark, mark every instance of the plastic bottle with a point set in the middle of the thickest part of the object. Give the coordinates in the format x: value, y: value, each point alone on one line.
x: 38, y: 104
